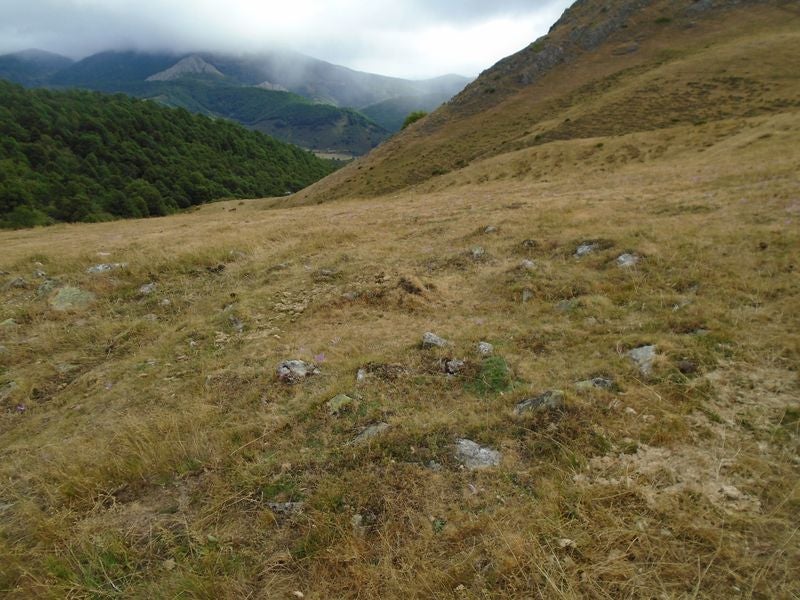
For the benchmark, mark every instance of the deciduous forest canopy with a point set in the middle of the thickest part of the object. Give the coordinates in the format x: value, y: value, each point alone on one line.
x: 84, y: 156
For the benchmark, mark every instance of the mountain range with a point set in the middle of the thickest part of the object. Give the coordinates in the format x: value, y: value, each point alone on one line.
x: 296, y: 98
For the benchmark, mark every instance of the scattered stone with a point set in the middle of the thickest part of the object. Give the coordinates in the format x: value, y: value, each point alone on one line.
x: 701, y: 332
x: 7, y: 389
x: 478, y: 252
x: 351, y: 296
x: 147, y: 289
x: 527, y: 295
x: 236, y: 324
x: 452, y: 366
x: 217, y: 269
x: 361, y: 376
x: 644, y: 357
x: 687, y: 367
x: 627, y: 260
x: 46, y: 287
x: 339, y: 404
x: 549, y: 400
x: 165, y: 302
x: 71, y: 298
x: 286, y: 508
x: 431, y: 340
x: 568, y: 305
x: 602, y: 383
x: 18, y: 283
x: 530, y: 244
x: 150, y: 317
x: 473, y: 456
x: 326, y: 274
x: 369, y: 433
x: 485, y: 349
x: 39, y: 274
x: 585, y: 248
x: 105, y: 267
x: 434, y: 466
x: 295, y: 371
x: 490, y: 229
x: 565, y: 543
x: 527, y: 265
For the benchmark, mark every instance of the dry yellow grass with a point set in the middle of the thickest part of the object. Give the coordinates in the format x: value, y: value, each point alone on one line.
x: 142, y: 441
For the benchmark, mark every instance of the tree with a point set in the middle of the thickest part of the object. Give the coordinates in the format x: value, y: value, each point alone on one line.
x: 414, y: 117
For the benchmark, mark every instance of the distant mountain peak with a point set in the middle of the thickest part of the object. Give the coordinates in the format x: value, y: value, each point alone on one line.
x: 191, y: 65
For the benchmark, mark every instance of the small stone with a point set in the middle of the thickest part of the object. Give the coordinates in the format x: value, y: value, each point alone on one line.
x: 47, y: 286
x: 527, y: 265
x: 549, y: 400
x: 7, y: 389
x: 530, y: 244
x: 603, y: 383
x: 38, y: 273
x: 105, y: 267
x: 369, y: 433
x: 478, y: 252
x: 294, y: 371
x: 71, y: 298
x: 687, y: 367
x: 286, y: 508
x: 568, y: 305
x: 565, y: 543
x: 627, y: 260
x: 490, y: 229
x: 452, y: 366
x: 473, y: 456
x: 485, y: 349
x: 431, y: 340
x: 527, y: 295
x: 339, y: 404
x: 236, y: 324
x: 147, y: 289
x: 150, y: 317
x: 644, y: 357
x: 298, y: 594
x: 165, y: 302
x: 434, y: 466
x: 361, y: 376
x: 18, y: 283
x: 585, y: 248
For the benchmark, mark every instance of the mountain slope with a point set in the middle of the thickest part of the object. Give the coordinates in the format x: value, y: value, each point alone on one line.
x: 32, y: 67
x: 82, y: 156
x: 636, y: 65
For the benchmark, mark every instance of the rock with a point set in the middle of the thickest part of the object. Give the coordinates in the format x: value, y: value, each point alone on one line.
x: 286, y: 508
x: 165, y: 302
x: 527, y: 295
x: 105, y: 267
x: 549, y: 400
x: 565, y: 543
x: 602, y: 383
x: 18, y: 283
x: 369, y: 433
x: 46, y: 287
x: 295, y: 371
x: 474, y: 456
x: 478, y: 252
x: 150, y: 317
x: 452, y: 366
x: 485, y: 349
x: 39, y: 274
x: 434, y: 466
x: 644, y: 357
x: 568, y: 305
x: 627, y: 260
x: 236, y: 324
x: 431, y: 340
x: 527, y: 265
x: 147, y: 289
x: 490, y: 229
x: 7, y: 389
x: 687, y: 367
x: 530, y: 244
x: 585, y: 248
x: 361, y: 376
x: 339, y: 404
x: 71, y: 298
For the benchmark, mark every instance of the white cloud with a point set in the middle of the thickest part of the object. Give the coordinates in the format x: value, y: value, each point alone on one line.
x: 411, y: 38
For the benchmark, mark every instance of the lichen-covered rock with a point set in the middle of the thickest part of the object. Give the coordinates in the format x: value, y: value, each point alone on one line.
x: 431, y: 340
x: 105, y: 267
x: 474, y: 456
x: 71, y: 298
x: 602, y: 383
x: 338, y: 404
x: 295, y: 371
x: 628, y: 260
x: 549, y: 400
x: 644, y: 357
x: 369, y: 433
x: 485, y: 349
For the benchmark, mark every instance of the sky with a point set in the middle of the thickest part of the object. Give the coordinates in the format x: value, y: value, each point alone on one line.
x: 402, y: 38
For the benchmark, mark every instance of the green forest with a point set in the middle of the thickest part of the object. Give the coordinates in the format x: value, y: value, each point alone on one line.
x: 86, y: 156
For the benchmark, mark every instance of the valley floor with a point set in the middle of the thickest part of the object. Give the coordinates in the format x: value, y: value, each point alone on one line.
x: 148, y: 450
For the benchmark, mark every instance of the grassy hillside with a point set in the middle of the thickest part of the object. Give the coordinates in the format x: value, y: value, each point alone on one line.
x: 82, y: 156
x: 149, y: 450
x: 390, y: 114
x: 636, y: 66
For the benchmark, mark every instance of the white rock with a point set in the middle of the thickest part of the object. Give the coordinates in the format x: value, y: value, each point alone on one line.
x: 431, y: 340
x: 485, y: 349
x: 474, y: 456
x: 644, y: 357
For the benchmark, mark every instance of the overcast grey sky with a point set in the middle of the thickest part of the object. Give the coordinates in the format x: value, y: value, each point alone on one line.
x: 405, y: 38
